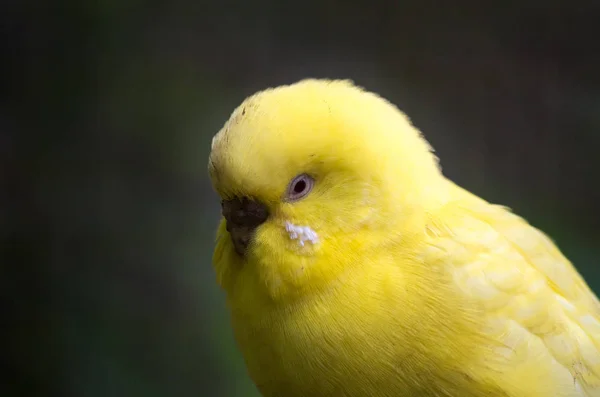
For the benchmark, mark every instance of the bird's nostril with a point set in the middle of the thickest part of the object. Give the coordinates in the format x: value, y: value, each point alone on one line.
x: 243, y: 216
x: 239, y: 217
x: 244, y: 212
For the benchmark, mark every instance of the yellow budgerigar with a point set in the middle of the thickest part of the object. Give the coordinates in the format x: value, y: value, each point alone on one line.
x: 353, y: 267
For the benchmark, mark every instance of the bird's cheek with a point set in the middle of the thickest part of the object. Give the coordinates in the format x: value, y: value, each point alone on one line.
x: 304, y: 236
x: 280, y: 238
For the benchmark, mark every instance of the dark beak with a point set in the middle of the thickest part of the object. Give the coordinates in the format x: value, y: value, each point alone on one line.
x: 243, y: 216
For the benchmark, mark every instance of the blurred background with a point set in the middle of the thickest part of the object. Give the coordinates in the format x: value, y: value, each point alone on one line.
x: 107, y: 216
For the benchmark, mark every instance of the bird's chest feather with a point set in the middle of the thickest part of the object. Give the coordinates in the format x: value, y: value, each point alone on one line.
x: 356, y: 343
x: 321, y: 352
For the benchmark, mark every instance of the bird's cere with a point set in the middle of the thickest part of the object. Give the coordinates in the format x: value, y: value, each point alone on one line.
x: 301, y: 233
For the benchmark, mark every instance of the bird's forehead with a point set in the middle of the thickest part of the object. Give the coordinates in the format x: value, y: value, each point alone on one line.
x: 276, y: 135
x: 244, y: 162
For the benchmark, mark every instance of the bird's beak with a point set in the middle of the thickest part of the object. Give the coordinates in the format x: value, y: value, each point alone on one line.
x: 243, y: 216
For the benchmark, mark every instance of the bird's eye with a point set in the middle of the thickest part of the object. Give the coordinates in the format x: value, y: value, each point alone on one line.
x: 299, y: 187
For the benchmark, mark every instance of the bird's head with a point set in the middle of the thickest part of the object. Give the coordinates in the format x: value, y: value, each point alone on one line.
x: 314, y: 177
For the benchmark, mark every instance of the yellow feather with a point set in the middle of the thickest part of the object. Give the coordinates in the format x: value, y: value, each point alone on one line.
x: 534, y: 300
x: 414, y: 287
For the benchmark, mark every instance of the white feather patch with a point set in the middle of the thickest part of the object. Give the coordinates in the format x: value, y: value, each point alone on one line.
x: 301, y: 233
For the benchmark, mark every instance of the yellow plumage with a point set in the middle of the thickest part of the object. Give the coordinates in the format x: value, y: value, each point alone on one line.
x: 376, y: 276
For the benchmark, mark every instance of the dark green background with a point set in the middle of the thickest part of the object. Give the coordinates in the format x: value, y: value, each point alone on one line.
x: 107, y: 217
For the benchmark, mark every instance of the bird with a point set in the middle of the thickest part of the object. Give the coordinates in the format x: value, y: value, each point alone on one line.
x: 352, y: 266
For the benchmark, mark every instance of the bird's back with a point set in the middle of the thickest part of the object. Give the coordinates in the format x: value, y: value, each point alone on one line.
x: 536, y: 303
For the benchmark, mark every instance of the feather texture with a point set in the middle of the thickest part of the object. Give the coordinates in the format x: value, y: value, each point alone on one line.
x: 535, y: 301
x: 386, y: 279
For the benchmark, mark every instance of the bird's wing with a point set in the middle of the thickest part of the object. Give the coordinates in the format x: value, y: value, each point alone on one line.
x: 538, y: 305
